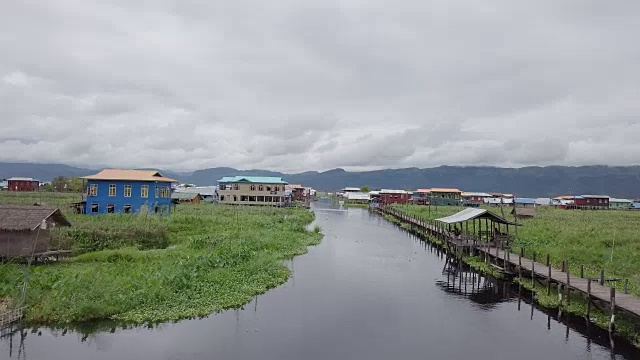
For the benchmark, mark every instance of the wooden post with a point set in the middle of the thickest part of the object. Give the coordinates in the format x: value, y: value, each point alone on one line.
x: 602, y: 277
x: 626, y: 286
x: 533, y: 274
x: 568, y: 287
x: 612, y: 300
x: 582, y: 271
x: 588, y: 299
x: 563, y: 266
x: 548, y: 276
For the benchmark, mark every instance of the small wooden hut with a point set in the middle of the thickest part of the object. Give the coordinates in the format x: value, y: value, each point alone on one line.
x: 524, y: 213
x: 185, y: 197
x: 26, y: 230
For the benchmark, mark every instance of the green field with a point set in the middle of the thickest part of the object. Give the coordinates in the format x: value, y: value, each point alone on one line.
x: 598, y: 239
x: 138, y: 268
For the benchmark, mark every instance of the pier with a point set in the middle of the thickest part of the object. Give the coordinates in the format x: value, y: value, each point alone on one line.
x: 496, y: 250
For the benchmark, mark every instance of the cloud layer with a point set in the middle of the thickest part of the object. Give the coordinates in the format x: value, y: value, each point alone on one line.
x: 294, y: 86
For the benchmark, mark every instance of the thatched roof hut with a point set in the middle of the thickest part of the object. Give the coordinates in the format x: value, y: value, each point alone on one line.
x: 524, y: 213
x: 25, y: 230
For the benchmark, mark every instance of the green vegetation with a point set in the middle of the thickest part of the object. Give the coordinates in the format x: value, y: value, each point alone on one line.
x: 139, y: 268
x: 60, y: 199
x: 353, y: 205
x: 597, y: 239
x: 365, y: 189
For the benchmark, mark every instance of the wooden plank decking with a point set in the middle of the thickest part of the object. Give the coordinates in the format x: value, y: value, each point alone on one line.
x: 627, y: 303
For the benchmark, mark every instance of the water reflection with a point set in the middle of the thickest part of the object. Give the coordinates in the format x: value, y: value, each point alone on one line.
x: 368, y: 291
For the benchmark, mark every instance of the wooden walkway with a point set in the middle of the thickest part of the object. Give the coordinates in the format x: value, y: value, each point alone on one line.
x: 10, y: 317
x: 595, y: 291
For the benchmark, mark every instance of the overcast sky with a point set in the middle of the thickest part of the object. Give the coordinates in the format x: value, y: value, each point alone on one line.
x: 297, y: 85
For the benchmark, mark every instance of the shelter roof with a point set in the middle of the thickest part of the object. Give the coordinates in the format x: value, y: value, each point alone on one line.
x: 529, y: 211
x: 595, y: 196
x: 28, y: 217
x: 357, y: 196
x: 474, y: 213
x: 132, y: 175
x: 614, y: 200
x: 445, y: 190
x: 525, y: 201
x: 22, y: 179
x: 184, y: 195
x: 393, y: 191
x: 479, y: 194
x: 253, y: 179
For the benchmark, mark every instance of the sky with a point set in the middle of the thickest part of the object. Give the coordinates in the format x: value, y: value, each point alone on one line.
x: 294, y: 85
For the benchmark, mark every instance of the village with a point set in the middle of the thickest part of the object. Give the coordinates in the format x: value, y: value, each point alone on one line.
x: 35, y: 214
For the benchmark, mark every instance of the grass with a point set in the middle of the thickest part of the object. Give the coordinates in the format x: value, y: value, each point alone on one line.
x: 137, y: 269
x: 353, y: 205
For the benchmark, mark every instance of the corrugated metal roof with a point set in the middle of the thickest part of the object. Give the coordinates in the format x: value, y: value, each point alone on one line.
x: 253, y: 179
x: 595, y: 196
x: 445, y: 190
x: 525, y: 201
x: 22, y: 179
x: 473, y: 213
x: 28, y: 217
x: 423, y: 190
x: 393, y: 191
x: 132, y: 175
x: 351, y: 189
x: 202, y: 190
x: 183, y: 195
x: 357, y: 196
x: 613, y: 200
x: 478, y: 194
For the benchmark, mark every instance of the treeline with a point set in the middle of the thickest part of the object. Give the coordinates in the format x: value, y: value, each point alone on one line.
x: 65, y: 184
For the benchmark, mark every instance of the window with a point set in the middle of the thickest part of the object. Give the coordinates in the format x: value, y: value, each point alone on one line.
x: 93, y: 190
x: 253, y: 188
x: 158, y: 191
x: 261, y: 188
x: 127, y: 191
x: 244, y: 198
x: 252, y: 198
x: 236, y: 186
x: 268, y: 188
x: 275, y: 188
x: 112, y: 189
x: 111, y: 209
x: 167, y: 191
x: 221, y: 197
x: 235, y: 198
x: 260, y: 198
x: 126, y: 209
x: 223, y: 187
x: 95, y: 208
x: 144, y: 191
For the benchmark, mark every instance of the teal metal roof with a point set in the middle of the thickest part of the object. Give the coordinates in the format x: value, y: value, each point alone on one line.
x: 253, y: 179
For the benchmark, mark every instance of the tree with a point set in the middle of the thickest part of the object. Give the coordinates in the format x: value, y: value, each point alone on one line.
x: 365, y: 189
x: 59, y: 183
x: 75, y: 185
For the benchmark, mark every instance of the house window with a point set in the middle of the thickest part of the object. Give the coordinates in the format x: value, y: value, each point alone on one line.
x: 111, y: 209
x: 167, y: 191
x: 275, y: 188
x: 144, y: 191
x: 93, y: 190
x: 253, y: 188
x: 127, y: 191
x: 95, y: 208
x: 223, y: 187
x: 221, y: 197
x: 112, y: 189
x: 261, y: 188
x: 244, y: 198
x: 252, y: 198
x: 260, y: 198
x: 235, y: 198
x: 236, y: 186
x: 268, y: 188
x: 158, y: 191
x: 126, y: 209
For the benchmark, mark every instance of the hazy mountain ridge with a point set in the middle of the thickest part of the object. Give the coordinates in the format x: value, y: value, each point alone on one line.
x: 615, y: 181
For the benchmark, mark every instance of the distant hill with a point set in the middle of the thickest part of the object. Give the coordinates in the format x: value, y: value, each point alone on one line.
x: 525, y: 182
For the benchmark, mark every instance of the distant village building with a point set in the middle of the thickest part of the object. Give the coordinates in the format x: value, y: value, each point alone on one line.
x: 591, y: 201
x: 251, y: 190
x: 475, y: 197
x: 22, y: 184
x: 524, y: 213
x: 617, y: 204
x: 350, y: 189
x: 543, y: 201
x: 524, y: 202
x: 127, y: 191
x: 4, y: 184
x: 185, y: 197
x: 391, y: 196
x: 25, y: 230
x: 357, y: 198
x: 207, y: 193
x: 298, y: 192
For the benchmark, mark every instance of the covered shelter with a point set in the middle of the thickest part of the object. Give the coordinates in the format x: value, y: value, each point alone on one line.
x: 524, y: 213
x: 480, y: 224
x: 26, y: 230
x: 185, y: 197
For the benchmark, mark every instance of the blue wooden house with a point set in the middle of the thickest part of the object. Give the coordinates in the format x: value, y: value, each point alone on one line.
x: 127, y: 191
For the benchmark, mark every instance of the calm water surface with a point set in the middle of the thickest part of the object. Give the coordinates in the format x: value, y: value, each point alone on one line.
x: 369, y: 291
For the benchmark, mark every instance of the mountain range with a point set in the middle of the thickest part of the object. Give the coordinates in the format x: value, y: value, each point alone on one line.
x: 616, y: 181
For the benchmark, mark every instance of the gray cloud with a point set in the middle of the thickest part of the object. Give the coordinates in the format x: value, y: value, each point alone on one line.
x: 296, y: 86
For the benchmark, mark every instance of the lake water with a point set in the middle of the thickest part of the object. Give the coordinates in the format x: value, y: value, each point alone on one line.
x: 368, y: 291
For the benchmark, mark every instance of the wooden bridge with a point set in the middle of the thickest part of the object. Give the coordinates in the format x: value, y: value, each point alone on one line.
x: 498, y: 253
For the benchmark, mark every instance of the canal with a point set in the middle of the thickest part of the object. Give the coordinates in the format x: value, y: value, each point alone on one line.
x: 368, y: 291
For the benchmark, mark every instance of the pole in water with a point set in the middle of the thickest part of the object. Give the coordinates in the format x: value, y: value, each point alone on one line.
x: 612, y: 300
x: 602, y: 277
x: 588, y: 299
